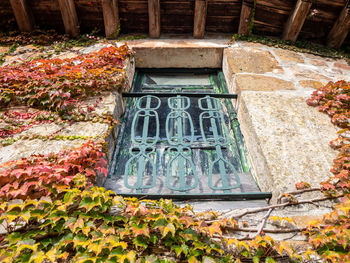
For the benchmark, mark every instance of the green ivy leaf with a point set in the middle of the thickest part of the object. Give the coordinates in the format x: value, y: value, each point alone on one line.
x: 269, y: 260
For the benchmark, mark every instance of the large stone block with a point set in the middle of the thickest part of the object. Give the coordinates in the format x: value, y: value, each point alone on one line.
x: 261, y: 83
x: 185, y: 53
x: 4, y: 49
x: 287, y: 139
x: 313, y: 84
x: 25, y: 148
x: 251, y: 61
x: 289, y: 56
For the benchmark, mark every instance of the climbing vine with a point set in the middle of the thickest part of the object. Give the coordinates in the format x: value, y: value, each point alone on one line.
x: 52, y: 210
x: 332, y: 239
x: 56, y: 84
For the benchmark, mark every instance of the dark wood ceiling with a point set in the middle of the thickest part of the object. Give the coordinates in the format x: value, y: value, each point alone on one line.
x: 316, y: 18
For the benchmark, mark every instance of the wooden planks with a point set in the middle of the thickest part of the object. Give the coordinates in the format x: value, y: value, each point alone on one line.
x: 69, y: 17
x: 246, y: 16
x: 154, y: 18
x: 200, y: 17
x: 340, y: 28
x: 110, y: 17
x: 133, y: 16
x: 176, y: 16
x: 23, y: 15
x: 296, y: 20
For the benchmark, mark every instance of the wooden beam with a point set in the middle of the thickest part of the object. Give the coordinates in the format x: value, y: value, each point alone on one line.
x: 69, y: 17
x: 23, y: 15
x: 200, y: 17
x: 110, y: 17
x: 154, y: 18
x: 296, y: 20
x: 340, y: 28
x: 246, y: 17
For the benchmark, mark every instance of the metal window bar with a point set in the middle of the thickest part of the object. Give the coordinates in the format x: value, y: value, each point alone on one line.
x: 155, y: 159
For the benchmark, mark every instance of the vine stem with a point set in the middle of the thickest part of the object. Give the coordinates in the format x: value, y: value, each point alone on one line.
x: 266, y: 208
x: 251, y: 230
x: 272, y: 231
x: 263, y: 222
x: 278, y: 201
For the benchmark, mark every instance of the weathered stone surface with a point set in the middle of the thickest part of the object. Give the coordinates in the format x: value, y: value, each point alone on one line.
x: 251, y: 61
x: 85, y: 129
x: 25, y: 148
x: 252, y: 44
x: 187, y: 54
x: 45, y: 129
x: 313, y: 84
x: 342, y: 66
x: 111, y: 102
x: 289, y: 56
x: 93, y: 48
x: 30, y: 55
x: 65, y: 55
x: 302, y: 220
x: 311, y: 72
x: 288, y: 140
x: 4, y: 50
x: 261, y: 83
x: 318, y: 62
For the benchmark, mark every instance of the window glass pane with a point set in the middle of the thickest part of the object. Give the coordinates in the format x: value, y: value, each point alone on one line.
x: 178, y: 79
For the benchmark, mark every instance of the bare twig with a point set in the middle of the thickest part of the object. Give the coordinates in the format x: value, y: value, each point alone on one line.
x: 252, y: 230
x: 295, y: 231
x: 4, y: 246
x: 266, y: 208
x: 273, y: 231
x: 298, y: 192
x: 263, y: 222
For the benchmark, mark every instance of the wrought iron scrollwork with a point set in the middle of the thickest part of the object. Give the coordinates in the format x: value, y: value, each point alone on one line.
x: 180, y: 170
x: 212, y: 112
x: 143, y: 146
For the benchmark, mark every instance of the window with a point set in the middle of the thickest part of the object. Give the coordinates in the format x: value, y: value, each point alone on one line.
x: 180, y: 139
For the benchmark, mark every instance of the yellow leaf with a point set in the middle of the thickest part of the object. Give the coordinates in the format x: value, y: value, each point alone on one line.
x: 169, y: 228
x: 26, y: 246
x: 131, y: 255
x: 314, y: 223
x: 12, y: 206
x: 193, y: 259
x: 79, y: 224
x: 62, y: 208
x: 215, y: 228
x: 3, y: 205
x: 25, y: 216
x: 38, y: 257
x: 95, y: 247
x: 86, y: 230
x: 51, y: 254
x: 244, y: 244
x: 10, y: 218
x: 122, y: 244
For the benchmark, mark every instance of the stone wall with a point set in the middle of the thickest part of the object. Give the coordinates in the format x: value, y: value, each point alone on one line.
x: 111, y: 102
x: 288, y: 140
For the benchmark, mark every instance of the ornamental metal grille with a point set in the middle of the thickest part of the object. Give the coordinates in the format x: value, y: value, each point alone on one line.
x: 180, y: 139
